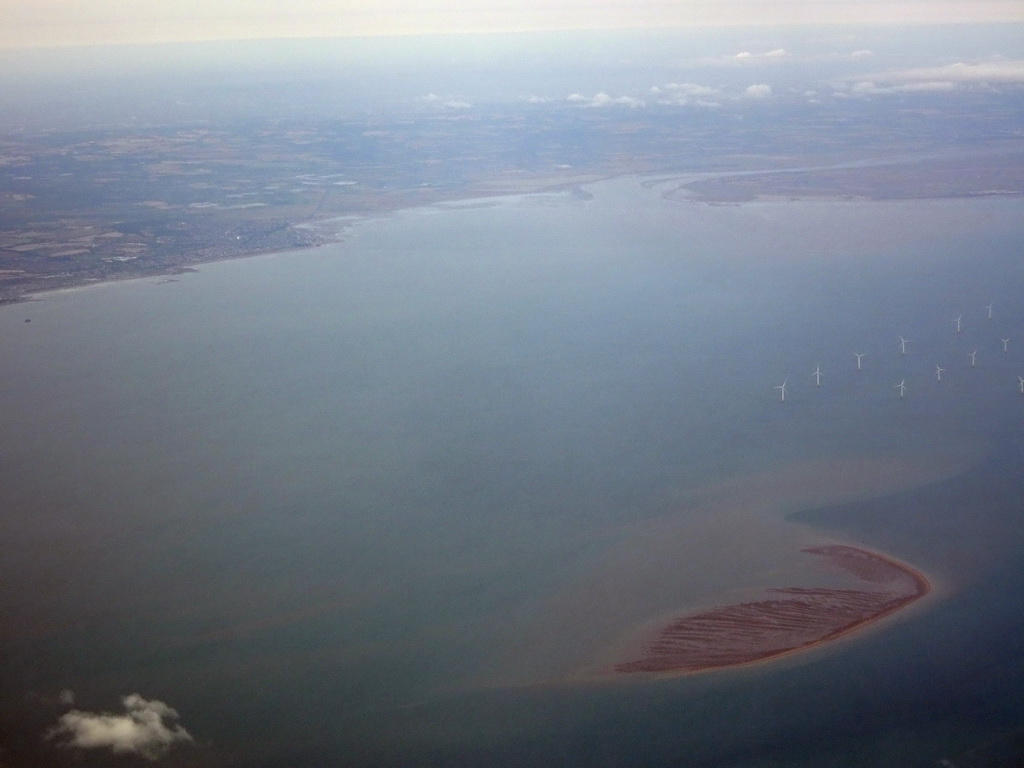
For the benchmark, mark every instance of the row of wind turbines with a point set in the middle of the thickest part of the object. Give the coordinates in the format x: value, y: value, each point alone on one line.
x: 902, y: 386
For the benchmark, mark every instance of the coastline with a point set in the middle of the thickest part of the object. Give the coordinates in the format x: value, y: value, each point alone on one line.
x: 916, y: 177
x: 311, y: 233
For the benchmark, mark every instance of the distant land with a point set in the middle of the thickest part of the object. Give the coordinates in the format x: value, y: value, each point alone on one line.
x: 129, y: 200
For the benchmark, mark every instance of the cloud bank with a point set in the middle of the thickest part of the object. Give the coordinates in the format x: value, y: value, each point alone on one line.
x: 147, y: 728
x: 992, y: 72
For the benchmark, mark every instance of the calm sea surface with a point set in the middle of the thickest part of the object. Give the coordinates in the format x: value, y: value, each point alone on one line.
x: 386, y: 502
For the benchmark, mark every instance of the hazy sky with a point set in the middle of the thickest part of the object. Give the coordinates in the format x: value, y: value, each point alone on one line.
x: 28, y: 23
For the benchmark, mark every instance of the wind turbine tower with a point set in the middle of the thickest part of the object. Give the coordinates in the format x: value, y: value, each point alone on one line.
x: 859, y: 355
x: 902, y: 387
x: 938, y: 373
x: 1006, y: 345
x: 817, y: 376
x: 903, y: 345
x: 957, y: 321
x: 974, y: 355
x: 782, y: 391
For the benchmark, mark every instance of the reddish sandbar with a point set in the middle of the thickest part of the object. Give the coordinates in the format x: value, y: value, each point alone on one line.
x: 791, y: 619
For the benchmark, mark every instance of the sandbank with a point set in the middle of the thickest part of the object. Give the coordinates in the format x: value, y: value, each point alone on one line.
x: 786, y: 620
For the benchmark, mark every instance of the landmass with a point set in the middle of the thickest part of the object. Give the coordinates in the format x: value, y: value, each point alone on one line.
x: 132, y: 200
x: 788, y: 620
x: 996, y: 173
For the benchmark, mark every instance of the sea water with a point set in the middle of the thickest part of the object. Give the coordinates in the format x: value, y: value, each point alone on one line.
x: 392, y: 501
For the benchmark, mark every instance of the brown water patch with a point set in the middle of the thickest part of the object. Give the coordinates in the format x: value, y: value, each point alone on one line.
x: 722, y: 544
x: 792, y: 619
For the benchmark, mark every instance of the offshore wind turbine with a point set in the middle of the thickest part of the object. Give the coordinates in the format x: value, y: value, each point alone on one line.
x: 938, y: 373
x: 957, y: 321
x: 817, y: 376
x: 903, y: 345
x: 859, y: 355
x: 1021, y: 384
x: 902, y: 387
x: 974, y: 354
x: 1006, y: 344
x: 782, y: 389
x: 989, y: 308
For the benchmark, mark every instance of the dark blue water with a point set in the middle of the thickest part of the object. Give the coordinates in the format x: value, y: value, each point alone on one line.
x: 323, y: 503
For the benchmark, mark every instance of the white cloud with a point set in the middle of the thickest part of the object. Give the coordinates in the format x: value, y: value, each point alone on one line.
x: 437, y: 101
x: 602, y: 99
x: 692, y: 89
x: 867, y: 88
x: 774, y: 57
x: 684, y: 94
x: 758, y: 91
x: 990, y: 72
x: 142, y: 730
x: 777, y: 53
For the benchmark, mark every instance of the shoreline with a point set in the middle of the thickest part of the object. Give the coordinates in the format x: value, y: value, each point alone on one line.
x: 322, y: 231
x: 859, y: 181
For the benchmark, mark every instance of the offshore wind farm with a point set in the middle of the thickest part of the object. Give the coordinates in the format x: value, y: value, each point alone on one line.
x: 986, y: 334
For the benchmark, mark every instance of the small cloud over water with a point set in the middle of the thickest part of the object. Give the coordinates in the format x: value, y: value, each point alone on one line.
x: 147, y: 728
x: 758, y: 91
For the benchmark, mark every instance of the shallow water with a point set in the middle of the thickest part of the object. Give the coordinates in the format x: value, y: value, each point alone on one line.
x: 377, y: 503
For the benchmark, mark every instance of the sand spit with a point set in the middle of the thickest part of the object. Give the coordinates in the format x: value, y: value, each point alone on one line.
x: 790, y: 619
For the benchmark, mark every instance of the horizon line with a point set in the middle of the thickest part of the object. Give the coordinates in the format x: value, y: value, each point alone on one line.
x: 20, y: 44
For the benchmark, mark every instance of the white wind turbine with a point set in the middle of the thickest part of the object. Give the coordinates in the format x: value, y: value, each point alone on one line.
x: 1006, y: 345
x: 938, y: 373
x: 957, y: 321
x: 782, y: 391
x: 1021, y: 384
x: 903, y: 345
x: 817, y: 376
x: 974, y: 355
x: 902, y: 387
x: 859, y: 355
x: 989, y: 308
